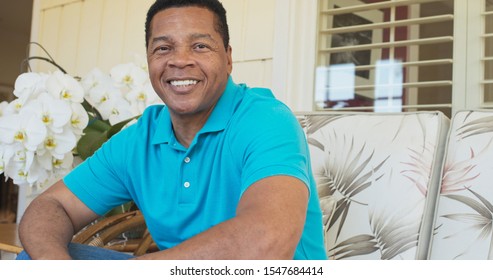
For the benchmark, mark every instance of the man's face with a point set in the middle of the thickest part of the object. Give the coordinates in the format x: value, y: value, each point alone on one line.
x: 188, y: 64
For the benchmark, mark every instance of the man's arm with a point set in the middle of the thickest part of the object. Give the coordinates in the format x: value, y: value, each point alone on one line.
x: 50, y: 222
x: 268, y: 225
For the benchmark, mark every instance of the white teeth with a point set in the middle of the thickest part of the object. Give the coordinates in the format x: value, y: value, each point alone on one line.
x: 183, y: 83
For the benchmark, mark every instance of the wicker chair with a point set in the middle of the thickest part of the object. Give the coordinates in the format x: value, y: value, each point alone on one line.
x: 124, y: 232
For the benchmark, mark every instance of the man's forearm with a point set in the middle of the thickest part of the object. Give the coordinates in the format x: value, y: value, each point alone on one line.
x: 233, y: 239
x: 50, y: 222
x: 46, y: 230
x: 268, y: 225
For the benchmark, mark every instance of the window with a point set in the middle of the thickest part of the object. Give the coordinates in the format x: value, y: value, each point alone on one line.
x: 393, y: 55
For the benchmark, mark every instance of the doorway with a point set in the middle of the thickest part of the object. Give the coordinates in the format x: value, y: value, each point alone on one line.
x: 15, y: 33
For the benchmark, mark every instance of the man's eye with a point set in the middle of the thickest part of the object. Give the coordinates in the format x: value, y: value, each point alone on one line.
x: 201, y: 46
x: 161, y: 49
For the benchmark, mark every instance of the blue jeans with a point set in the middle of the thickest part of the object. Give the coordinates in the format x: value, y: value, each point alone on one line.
x: 86, y: 252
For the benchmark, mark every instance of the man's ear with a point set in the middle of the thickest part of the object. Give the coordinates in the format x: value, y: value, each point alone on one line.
x: 229, y: 52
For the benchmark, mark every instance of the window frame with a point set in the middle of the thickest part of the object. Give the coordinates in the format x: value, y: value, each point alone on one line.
x: 294, y: 69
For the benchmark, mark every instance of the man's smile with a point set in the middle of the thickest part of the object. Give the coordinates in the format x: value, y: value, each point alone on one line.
x: 183, y: 83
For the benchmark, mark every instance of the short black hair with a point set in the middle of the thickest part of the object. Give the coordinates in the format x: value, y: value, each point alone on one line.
x: 221, y: 23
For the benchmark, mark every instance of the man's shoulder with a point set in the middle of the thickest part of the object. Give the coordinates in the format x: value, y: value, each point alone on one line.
x: 259, y: 100
x: 260, y: 113
x: 260, y: 92
x: 261, y: 103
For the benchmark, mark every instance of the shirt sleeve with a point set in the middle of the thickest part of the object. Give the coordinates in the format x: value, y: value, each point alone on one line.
x: 271, y: 142
x: 100, y: 181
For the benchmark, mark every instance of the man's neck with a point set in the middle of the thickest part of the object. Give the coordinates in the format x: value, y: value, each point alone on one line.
x: 186, y: 127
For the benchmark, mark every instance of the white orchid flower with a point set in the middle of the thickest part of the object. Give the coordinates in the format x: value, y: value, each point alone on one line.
x: 16, y: 105
x: 40, y: 129
x: 63, y: 166
x: 21, y: 154
x: 65, y: 163
x: 65, y: 87
x: 141, y: 62
x: 45, y: 159
x: 22, y: 167
x: 142, y: 97
x: 95, y: 78
x: 25, y: 128
x: 36, y: 173
x: 103, y: 92
x: 16, y: 171
x: 3, y: 108
x: 128, y: 75
x: 104, y: 98
x: 2, y: 157
x: 29, y: 85
x: 56, y: 166
x: 8, y: 152
x: 49, y: 162
x: 110, y: 104
x: 79, y: 119
x: 60, y: 143
x: 54, y: 113
x: 119, y: 111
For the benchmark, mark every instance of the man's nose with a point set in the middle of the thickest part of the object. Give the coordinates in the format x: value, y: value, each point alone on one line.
x: 182, y: 57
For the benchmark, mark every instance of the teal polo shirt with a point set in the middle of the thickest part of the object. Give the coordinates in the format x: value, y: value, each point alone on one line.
x: 184, y: 191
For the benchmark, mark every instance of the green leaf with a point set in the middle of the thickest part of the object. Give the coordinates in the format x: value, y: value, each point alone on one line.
x: 126, y: 207
x: 91, y: 110
x: 95, y: 134
x: 90, y: 142
x: 118, y: 126
x: 97, y: 125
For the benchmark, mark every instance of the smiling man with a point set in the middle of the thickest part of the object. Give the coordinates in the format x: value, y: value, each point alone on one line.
x: 221, y: 172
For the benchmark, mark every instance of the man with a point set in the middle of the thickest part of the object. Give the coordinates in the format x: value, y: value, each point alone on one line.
x: 221, y: 172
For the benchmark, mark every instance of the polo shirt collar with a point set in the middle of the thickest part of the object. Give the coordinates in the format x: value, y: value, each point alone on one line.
x: 224, y: 109
x: 217, y: 121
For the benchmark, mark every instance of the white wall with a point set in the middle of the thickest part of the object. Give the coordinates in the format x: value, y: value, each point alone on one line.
x: 81, y: 35
x: 251, y: 24
x: 273, y: 41
x: 295, y: 52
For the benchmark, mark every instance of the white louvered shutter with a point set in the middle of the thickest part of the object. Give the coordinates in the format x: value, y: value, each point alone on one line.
x: 398, y: 52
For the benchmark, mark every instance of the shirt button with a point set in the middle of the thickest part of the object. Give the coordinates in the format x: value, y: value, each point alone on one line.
x: 187, y: 185
x: 187, y: 160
